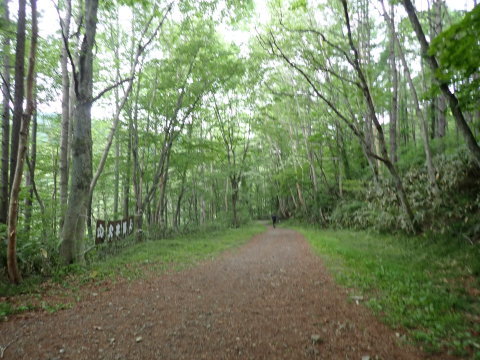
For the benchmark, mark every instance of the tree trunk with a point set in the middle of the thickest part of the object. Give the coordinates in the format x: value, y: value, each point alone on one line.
x: 126, y: 178
x: 226, y: 195
x: 176, y: 218
x: 234, y: 196
x: 137, y: 175
x: 452, y: 99
x: 116, y: 183
x: 163, y: 190
x: 5, y: 119
x: 54, y: 195
x: 71, y: 249
x: 116, y: 190
x: 440, y: 103
x: 30, y: 177
x: 12, y: 266
x: 66, y: 102
x: 19, y: 86
x: 369, y: 147
x: 394, y: 103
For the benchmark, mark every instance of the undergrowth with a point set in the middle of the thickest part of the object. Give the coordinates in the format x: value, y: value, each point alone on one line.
x: 428, y: 287
x: 455, y: 209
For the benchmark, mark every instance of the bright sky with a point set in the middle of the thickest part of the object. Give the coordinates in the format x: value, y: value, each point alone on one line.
x: 49, y: 19
x: 262, y: 16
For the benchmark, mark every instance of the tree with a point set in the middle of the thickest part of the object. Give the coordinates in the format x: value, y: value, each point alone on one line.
x: 13, y: 271
x: 4, y: 181
x: 440, y: 124
x: 456, y: 50
x: 394, y: 78
x: 19, y: 87
x: 66, y: 109
x: 72, y: 246
x: 235, y: 130
x: 352, y: 58
x: 453, y: 102
x: 418, y: 111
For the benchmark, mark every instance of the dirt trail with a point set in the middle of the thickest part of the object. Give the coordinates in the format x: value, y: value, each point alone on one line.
x: 270, y: 299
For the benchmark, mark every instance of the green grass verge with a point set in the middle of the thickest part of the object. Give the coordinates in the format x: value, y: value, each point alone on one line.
x: 177, y: 252
x: 429, y: 288
x: 133, y: 262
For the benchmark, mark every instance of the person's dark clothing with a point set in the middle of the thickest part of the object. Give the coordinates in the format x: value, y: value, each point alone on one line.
x: 274, y: 220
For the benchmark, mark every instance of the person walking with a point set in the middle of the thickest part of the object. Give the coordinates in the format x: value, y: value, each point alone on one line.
x: 274, y: 220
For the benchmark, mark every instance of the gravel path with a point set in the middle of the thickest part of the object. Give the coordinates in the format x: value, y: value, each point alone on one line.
x: 270, y: 299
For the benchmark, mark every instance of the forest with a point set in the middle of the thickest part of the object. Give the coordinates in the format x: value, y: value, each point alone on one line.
x: 191, y: 114
x: 162, y: 132
x: 182, y: 115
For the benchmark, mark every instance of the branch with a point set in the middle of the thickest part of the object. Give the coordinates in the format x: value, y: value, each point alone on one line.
x: 111, y: 87
x: 133, y: 67
x: 324, y: 39
x: 317, y: 92
x: 332, y: 72
x: 34, y: 186
x: 169, y: 8
x: 8, y: 94
x: 357, y: 132
x: 67, y: 48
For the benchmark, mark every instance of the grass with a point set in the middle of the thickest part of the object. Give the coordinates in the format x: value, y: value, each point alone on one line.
x: 178, y: 252
x: 429, y: 288
x: 133, y: 262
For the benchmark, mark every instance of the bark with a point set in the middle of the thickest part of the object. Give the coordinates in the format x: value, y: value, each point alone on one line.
x: 137, y: 172
x: 54, y: 195
x: 394, y: 101
x: 116, y: 194
x: 451, y: 98
x: 19, y: 86
x: 66, y: 102
x: 176, y: 218
x: 30, y: 177
x: 161, y: 210
x: 226, y: 195
x: 126, y: 178
x: 477, y: 111
x: 12, y: 265
x: 71, y: 248
x: 5, y: 119
x: 234, y: 197
x: 116, y: 183
x: 369, y: 147
x: 440, y: 103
